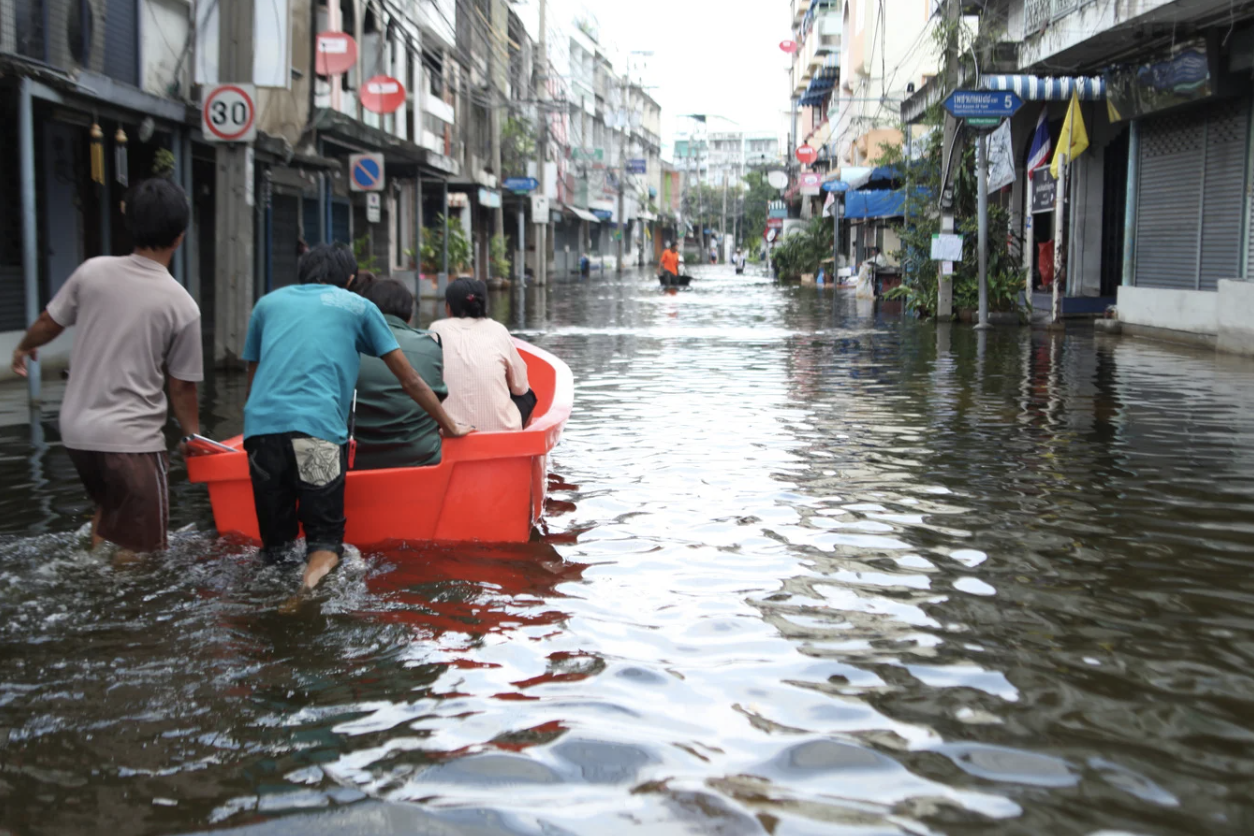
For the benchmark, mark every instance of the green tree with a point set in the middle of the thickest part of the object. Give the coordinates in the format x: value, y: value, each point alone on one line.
x: 923, y: 177
x: 518, y: 146
x: 757, y: 201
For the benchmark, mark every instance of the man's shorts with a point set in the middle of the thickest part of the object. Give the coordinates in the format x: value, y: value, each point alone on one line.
x: 298, y: 482
x: 132, y: 492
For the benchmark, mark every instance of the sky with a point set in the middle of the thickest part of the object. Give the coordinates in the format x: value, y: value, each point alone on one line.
x: 719, y: 57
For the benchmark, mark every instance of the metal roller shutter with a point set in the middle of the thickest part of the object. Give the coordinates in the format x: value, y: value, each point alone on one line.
x: 1223, y: 190
x: 1169, y: 199
x: 1191, y: 197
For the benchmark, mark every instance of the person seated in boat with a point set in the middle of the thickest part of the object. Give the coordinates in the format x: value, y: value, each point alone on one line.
x: 392, y: 431
x: 482, y: 367
x: 670, y: 259
x: 303, y: 351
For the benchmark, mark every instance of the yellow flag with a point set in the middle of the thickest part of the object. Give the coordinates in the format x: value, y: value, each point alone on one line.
x: 1074, y: 139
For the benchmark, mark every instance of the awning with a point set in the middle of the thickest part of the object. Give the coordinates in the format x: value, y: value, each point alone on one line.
x: 646, y: 216
x: 879, y: 203
x: 582, y: 214
x: 825, y: 78
x: 1033, y: 88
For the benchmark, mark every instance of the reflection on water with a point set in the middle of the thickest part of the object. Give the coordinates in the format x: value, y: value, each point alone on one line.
x: 804, y: 571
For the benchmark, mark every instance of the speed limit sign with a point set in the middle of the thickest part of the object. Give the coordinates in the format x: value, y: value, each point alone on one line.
x: 230, y: 113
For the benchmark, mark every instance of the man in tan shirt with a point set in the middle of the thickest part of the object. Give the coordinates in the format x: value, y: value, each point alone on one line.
x: 137, y: 329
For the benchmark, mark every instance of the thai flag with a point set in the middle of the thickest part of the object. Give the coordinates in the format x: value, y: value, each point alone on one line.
x: 1039, y: 155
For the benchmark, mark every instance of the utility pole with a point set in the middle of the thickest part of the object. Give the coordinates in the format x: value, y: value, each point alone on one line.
x: 542, y: 81
x: 496, y: 73
x: 622, y: 178
x: 234, y: 201
x: 945, y: 283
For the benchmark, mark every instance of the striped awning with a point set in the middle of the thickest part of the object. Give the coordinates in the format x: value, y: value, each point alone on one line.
x: 825, y: 78
x: 1034, y: 88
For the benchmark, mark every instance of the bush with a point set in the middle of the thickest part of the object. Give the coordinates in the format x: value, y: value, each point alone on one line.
x: 1005, y: 270
x: 804, y: 251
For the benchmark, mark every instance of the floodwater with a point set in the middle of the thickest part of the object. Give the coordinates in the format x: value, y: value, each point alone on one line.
x: 805, y: 571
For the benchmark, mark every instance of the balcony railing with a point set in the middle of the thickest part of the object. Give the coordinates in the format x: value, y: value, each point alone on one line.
x: 1037, y: 14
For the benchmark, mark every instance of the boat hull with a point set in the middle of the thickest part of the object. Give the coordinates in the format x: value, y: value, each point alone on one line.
x: 668, y: 280
x: 488, y: 487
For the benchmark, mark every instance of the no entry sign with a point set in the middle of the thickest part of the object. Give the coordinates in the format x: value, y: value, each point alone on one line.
x: 336, y: 53
x: 365, y: 173
x: 383, y: 94
x: 230, y: 113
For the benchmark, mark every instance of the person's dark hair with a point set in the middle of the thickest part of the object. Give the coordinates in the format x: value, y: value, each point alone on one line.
x: 365, y: 280
x: 467, y: 298
x: 157, y: 213
x: 391, y: 297
x: 327, y: 264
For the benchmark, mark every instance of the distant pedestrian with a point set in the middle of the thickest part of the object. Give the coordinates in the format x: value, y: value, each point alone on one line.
x: 137, y: 331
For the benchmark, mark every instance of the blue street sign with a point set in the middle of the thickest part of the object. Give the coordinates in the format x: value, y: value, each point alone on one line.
x: 522, y: 184
x: 366, y: 174
x: 964, y: 104
x: 603, y: 214
x: 835, y: 186
x: 637, y: 167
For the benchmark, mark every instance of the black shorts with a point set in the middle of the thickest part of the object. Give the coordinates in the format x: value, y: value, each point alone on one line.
x: 298, y: 481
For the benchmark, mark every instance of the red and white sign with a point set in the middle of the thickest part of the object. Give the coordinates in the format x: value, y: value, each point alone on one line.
x: 383, y: 94
x: 774, y: 223
x: 811, y: 183
x: 335, y: 53
x: 807, y: 154
x: 229, y: 113
x: 788, y: 46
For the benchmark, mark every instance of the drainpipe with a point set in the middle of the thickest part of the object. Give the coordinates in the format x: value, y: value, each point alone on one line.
x: 30, y: 241
x: 1129, y: 211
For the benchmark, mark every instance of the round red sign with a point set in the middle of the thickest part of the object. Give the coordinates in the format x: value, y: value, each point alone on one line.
x: 807, y: 154
x: 788, y: 46
x: 336, y: 53
x: 382, y: 94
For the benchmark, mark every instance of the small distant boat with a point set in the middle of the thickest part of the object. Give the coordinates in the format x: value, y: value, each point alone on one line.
x: 669, y: 280
x: 488, y: 487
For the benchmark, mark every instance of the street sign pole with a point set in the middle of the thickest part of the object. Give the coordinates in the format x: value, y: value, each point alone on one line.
x: 981, y: 177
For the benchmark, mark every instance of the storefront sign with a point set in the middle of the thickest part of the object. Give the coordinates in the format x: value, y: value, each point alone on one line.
x: 1174, y: 80
x: 807, y: 154
x: 788, y: 46
x: 811, y: 184
x: 1044, y: 190
x: 490, y: 198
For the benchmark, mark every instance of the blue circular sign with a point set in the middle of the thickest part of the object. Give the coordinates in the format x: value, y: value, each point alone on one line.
x: 366, y: 174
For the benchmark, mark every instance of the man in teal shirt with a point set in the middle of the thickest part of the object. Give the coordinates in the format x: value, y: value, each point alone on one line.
x: 391, y: 430
x: 303, y: 353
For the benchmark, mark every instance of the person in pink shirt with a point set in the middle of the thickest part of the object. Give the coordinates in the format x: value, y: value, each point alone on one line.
x: 482, y: 368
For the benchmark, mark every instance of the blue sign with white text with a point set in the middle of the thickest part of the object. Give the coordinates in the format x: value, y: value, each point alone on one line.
x: 967, y: 104
x: 522, y: 184
x: 637, y: 167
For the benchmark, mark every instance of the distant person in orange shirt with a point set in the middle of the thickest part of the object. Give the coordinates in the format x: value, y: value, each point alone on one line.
x: 670, y: 260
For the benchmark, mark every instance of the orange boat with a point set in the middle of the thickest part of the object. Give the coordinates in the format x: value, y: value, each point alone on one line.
x: 489, y: 487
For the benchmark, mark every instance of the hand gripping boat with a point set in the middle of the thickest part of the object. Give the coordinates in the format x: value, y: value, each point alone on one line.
x: 488, y: 487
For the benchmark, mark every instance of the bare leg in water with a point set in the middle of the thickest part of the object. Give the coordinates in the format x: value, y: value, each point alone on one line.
x: 319, y: 566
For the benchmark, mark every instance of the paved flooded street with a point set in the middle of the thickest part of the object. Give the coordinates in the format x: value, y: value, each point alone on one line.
x: 805, y: 571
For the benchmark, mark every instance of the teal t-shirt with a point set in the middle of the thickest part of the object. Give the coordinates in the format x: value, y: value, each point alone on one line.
x: 307, y: 341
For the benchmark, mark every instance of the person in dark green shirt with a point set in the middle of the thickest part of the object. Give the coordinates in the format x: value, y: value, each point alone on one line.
x: 391, y: 430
